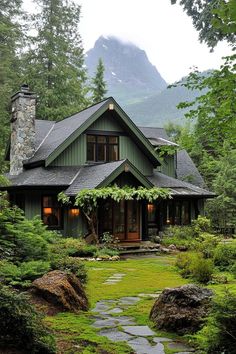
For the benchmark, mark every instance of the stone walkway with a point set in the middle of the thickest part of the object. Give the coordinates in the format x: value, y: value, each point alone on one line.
x: 112, y: 324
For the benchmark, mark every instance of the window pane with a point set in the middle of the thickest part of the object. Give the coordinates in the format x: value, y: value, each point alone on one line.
x: 51, y: 212
x: 185, y: 213
x: 113, y: 153
x: 101, y: 152
x: 101, y: 139
x: 91, y: 152
x: 91, y: 138
x: 113, y: 140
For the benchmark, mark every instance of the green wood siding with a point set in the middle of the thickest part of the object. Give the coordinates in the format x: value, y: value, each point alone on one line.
x: 129, y: 150
x: 74, y: 226
x: 74, y: 155
x: 168, y: 166
x: 33, y: 204
x: 106, y: 123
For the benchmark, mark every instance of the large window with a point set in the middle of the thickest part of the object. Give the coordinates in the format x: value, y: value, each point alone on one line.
x: 51, y: 212
x: 177, y: 212
x: 102, y: 148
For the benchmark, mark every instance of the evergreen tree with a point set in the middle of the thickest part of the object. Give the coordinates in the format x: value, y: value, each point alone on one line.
x: 98, y: 84
x: 54, y: 63
x: 10, y: 37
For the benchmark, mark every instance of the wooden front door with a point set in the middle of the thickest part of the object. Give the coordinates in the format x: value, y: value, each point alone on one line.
x: 126, y: 220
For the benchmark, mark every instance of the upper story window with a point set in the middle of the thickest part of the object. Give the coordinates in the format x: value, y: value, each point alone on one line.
x: 102, y: 148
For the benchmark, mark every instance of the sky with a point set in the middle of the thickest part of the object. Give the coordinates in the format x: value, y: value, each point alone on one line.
x: 163, y: 30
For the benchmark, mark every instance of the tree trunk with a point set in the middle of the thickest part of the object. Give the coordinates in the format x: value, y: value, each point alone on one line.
x: 92, y: 237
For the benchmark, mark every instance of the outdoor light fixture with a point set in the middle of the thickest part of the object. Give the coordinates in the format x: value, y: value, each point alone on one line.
x: 74, y: 211
x: 47, y: 211
x: 150, y: 208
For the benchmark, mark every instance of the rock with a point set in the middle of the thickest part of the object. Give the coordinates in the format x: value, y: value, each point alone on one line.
x: 181, y: 309
x: 172, y: 247
x: 63, y: 290
x: 165, y: 250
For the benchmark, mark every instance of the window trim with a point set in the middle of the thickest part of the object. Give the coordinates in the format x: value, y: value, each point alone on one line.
x: 61, y: 213
x: 107, y: 144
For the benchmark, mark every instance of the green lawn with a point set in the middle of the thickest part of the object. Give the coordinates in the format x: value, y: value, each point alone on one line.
x: 143, y: 275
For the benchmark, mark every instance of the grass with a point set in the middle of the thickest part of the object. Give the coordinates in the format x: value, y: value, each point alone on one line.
x: 144, y: 275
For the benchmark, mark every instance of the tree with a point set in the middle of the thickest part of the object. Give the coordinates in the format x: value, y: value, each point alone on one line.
x: 88, y: 200
x: 207, y: 17
x: 54, y: 62
x: 10, y: 39
x: 98, y: 84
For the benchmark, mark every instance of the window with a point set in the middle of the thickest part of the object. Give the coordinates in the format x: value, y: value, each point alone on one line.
x: 51, y: 212
x: 177, y: 212
x: 102, y: 148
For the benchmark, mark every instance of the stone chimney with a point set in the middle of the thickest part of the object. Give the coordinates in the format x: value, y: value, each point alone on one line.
x: 22, y: 128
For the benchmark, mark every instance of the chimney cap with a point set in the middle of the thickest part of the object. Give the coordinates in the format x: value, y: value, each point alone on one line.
x: 24, y: 88
x: 24, y: 91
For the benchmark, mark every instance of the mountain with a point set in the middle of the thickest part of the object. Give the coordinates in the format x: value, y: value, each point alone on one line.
x: 136, y: 84
x: 129, y: 74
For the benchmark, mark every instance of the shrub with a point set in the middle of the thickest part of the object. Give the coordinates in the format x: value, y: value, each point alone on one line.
x: 24, y: 273
x: 181, y: 236
x: 201, y: 269
x: 73, y: 247
x: 106, y: 252
x: 21, y: 326
x: 201, y: 224
x: 206, y: 244
x: 218, y: 335
x: 195, y: 266
x: 71, y: 264
x: 225, y: 255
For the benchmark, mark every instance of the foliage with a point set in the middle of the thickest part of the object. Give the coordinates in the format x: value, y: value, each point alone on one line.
x: 21, y: 239
x: 225, y: 255
x: 214, y: 20
x: 54, y: 61
x: 98, y: 84
x: 218, y: 335
x: 24, y: 273
x: 70, y: 264
x: 195, y: 266
x: 21, y: 326
x: 206, y: 244
x: 11, y: 39
x: 104, y: 251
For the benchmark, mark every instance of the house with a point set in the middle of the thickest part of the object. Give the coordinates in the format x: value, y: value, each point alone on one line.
x: 97, y: 147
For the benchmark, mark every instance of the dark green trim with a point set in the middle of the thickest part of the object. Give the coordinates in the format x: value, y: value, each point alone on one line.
x: 146, y: 146
x: 135, y: 172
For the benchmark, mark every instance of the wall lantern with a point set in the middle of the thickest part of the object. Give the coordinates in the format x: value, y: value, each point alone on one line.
x: 47, y: 211
x: 150, y: 208
x: 74, y: 212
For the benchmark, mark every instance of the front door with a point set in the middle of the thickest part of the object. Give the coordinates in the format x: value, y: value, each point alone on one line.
x: 126, y: 220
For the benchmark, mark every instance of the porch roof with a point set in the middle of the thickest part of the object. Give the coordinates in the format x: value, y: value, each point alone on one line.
x: 177, y: 187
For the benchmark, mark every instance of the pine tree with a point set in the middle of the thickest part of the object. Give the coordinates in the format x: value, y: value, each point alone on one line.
x: 10, y: 39
x: 98, y: 84
x: 54, y: 63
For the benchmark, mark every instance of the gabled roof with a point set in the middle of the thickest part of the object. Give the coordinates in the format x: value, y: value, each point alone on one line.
x: 63, y: 133
x: 177, y: 187
x: 73, y: 179
x: 187, y: 171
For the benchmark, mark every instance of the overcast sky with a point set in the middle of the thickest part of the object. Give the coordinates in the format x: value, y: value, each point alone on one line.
x: 163, y: 30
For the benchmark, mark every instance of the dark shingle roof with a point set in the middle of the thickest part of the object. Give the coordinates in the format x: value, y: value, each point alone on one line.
x: 157, y: 136
x: 177, y: 187
x: 61, y: 131
x: 187, y: 171
x: 91, y: 177
x: 40, y: 176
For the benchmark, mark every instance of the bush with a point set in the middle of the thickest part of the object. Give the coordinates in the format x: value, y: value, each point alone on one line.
x: 218, y: 335
x: 201, y: 224
x: 181, y: 236
x: 206, y: 244
x: 23, y: 274
x: 195, y: 266
x: 73, y: 247
x: 71, y: 264
x: 201, y: 269
x: 225, y: 255
x: 21, y: 326
x: 106, y: 252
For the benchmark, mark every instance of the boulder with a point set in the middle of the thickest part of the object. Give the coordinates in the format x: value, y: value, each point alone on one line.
x: 181, y: 310
x: 62, y: 290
